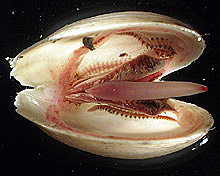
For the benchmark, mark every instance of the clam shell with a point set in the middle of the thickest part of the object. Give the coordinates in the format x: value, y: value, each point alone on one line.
x: 56, y: 48
x: 99, y: 132
x: 116, y: 142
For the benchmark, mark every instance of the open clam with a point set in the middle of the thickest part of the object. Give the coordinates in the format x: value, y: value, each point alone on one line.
x: 96, y: 85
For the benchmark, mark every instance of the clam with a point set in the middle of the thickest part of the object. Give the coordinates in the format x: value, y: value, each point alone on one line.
x: 96, y: 85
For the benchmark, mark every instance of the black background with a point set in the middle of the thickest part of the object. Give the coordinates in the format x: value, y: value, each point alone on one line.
x: 27, y: 150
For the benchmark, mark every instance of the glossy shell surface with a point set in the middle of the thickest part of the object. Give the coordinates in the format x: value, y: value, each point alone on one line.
x: 55, y: 66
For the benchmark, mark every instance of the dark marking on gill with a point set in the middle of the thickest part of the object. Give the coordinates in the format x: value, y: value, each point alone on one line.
x: 151, y: 107
x: 88, y: 43
x: 136, y: 68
